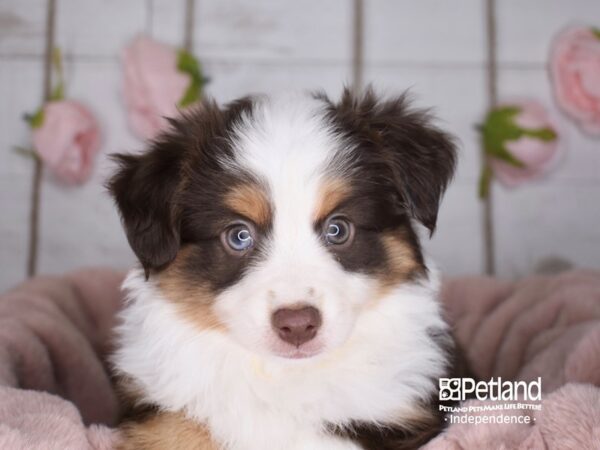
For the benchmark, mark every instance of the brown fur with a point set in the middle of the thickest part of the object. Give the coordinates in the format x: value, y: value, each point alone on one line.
x: 166, y: 430
x: 250, y: 201
x: 410, y: 433
x: 130, y: 395
x: 194, y: 301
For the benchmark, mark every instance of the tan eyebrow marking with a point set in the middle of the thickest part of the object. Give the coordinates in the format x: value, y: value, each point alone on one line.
x: 250, y: 200
x: 332, y: 192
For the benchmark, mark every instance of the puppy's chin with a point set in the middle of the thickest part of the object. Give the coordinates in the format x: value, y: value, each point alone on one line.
x: 305, y: 351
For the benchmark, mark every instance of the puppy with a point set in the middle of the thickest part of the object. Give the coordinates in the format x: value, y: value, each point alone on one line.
x: 283, y: 299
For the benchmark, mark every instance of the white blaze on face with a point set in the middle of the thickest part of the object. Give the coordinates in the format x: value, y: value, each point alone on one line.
x: 288, y: 145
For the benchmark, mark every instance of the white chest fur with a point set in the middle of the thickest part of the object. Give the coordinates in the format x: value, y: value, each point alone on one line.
x: 252, y: 402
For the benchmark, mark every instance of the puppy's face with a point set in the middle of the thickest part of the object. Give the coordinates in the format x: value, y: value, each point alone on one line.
x: 278, y: 223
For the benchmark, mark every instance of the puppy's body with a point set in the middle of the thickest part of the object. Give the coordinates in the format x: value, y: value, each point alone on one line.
x: 284, y: 301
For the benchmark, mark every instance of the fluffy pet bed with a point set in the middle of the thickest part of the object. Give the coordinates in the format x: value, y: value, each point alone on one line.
x: 55, y: 392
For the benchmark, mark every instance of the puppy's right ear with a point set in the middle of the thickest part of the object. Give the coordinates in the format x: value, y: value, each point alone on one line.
x: 145, y: 189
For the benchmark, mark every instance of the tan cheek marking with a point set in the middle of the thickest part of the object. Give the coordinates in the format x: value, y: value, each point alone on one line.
x: 166, y: 430
x: 331, y: 193
x: 250, y: 201
x: 194, y: 302
x: 401, y: 261
x: 400, y: 265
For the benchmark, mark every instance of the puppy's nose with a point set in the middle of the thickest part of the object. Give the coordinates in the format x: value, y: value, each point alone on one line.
x: 296, y: 326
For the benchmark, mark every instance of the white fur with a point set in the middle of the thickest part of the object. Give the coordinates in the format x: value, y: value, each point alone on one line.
x: 374, y: 359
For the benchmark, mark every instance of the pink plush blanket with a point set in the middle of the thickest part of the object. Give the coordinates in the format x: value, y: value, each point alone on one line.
x: 55, y: 392
x: 53, y: 334
x: 542, y: 326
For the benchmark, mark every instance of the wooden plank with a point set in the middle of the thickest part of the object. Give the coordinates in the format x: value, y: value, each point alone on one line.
x: 167, y: 20
x: 90, y: 28
x: 22, y: 25
x: 425, y: 31
x: 526, y: 28
x: 546, y: 220
x: 230, y: 81
x: 98, y: 28
x: 238, y: 30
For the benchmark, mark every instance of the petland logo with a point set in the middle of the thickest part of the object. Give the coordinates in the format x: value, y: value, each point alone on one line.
x: 460, y: 389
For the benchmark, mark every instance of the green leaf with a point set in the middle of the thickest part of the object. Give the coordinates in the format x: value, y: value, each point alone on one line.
x: 498, y: 128
x: 485, y: 180
x: 544, y: 134
x: 596, y: 32
x: 187, y: 63
x: 36, y: 119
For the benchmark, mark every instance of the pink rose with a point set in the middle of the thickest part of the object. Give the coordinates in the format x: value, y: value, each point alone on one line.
x: 67, y: 140
x: 575, y: 72
x: 153, y: 85
x: 521, y: 140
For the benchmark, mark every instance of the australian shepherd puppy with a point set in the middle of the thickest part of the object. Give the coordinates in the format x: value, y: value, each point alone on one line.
x: 283, y: 300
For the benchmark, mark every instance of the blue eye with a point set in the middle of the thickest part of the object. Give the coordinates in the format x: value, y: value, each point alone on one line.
x: 238, y: 238
x: 338, y: 231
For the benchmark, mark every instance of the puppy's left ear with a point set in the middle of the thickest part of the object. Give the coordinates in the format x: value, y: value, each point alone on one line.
x: 420, y: 157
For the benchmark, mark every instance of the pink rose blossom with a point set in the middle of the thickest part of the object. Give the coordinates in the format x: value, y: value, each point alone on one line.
x: 67, y: 140
x: 575, y: 72
x: 153, y: 85
x: 535, y: 153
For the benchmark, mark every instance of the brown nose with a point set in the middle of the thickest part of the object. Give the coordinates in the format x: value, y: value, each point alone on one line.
x: 296, y: 326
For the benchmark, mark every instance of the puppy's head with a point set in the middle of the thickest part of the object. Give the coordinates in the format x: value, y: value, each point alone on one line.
x: 278, y: 223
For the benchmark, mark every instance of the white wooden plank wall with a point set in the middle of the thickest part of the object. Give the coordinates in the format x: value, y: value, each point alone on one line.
x: 560, y: 216
x: 435, y: 47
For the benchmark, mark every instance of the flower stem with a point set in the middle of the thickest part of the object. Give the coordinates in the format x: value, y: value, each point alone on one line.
x: 34, y: 216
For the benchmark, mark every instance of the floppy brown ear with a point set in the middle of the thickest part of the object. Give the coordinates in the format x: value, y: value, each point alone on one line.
x: 145, y: 190
x: 148, y: 188
x: 420, y: 157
